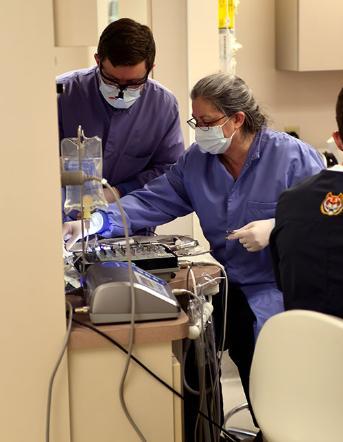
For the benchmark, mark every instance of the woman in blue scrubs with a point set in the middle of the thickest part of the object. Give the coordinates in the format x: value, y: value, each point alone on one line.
x: 231, y: 177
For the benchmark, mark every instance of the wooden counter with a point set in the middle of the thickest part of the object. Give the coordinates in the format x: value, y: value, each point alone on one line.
x: 96, y: 368
x: 153, y: 331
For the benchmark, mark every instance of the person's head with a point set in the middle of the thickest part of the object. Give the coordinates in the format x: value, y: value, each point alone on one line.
x: 126, y: 53
x: 222, y: 97
x: 338, y: 135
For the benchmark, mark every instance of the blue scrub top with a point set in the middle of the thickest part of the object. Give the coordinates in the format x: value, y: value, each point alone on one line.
x: 139, y: 143
x: 199, y: 182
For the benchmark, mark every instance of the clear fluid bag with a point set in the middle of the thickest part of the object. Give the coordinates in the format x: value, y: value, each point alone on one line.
x: 84, y: 154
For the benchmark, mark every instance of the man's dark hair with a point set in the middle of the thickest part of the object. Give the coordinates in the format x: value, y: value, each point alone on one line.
x: 339, y: 113
x: 126, y: 42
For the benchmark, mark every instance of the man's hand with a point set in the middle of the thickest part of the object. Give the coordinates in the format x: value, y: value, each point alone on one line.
x: 255, y: 235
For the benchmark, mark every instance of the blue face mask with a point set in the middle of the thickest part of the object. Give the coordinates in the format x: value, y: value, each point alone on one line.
x: 213, y: 140
x: 110, y: 93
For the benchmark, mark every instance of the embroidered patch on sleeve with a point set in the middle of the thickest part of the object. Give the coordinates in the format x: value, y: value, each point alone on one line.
x: 332, y: 204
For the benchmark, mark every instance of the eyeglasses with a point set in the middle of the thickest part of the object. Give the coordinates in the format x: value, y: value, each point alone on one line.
x: 129, y: 85
x: 193, y: 123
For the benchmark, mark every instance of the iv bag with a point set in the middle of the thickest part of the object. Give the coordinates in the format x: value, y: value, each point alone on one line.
x: 83, y: 154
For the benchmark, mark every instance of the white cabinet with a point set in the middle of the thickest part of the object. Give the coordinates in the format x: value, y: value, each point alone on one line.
x: 309, y: 35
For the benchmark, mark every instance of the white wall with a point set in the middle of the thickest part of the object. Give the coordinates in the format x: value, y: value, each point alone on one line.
x: 76, y: 50
x: 301, y: 99
x: 185, y: 53
x: 32, y: 290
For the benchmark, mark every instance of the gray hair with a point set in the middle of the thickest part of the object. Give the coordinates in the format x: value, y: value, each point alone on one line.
x: 230, y: 94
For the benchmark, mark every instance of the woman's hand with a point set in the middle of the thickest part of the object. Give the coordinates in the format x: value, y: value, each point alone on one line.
x: 254, y: 236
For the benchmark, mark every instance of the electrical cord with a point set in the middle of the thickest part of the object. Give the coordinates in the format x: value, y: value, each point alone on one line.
x: 221, y: 348
x: 209, y: 281
x: 186, y: 263
x: 193, y: 282
x: 189, y: 266
x: 184, y: 360
x: 54, y: 371
x: 133, y: 309
x: 207, y: 355
x: 147, y: 369
x: 185, y: 380
x: 200, y: 365
x: 199, y: 348
x: 182, y: 292
x: 104, y: 182
x: 206, y: 363
x: 211, y: 356
x: 222, y: 344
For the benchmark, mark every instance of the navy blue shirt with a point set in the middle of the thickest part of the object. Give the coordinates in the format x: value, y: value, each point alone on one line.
x: 307, y: 244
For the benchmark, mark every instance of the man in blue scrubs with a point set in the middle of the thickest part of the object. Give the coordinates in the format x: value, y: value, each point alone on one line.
x: 136, y: 117
x: 231, y: 177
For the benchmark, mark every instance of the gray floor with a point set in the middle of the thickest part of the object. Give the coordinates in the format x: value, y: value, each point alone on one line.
x: 233, y: 395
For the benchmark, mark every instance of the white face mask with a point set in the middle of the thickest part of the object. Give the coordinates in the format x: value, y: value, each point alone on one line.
x: 213, y: 140
x: 110, y: 93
